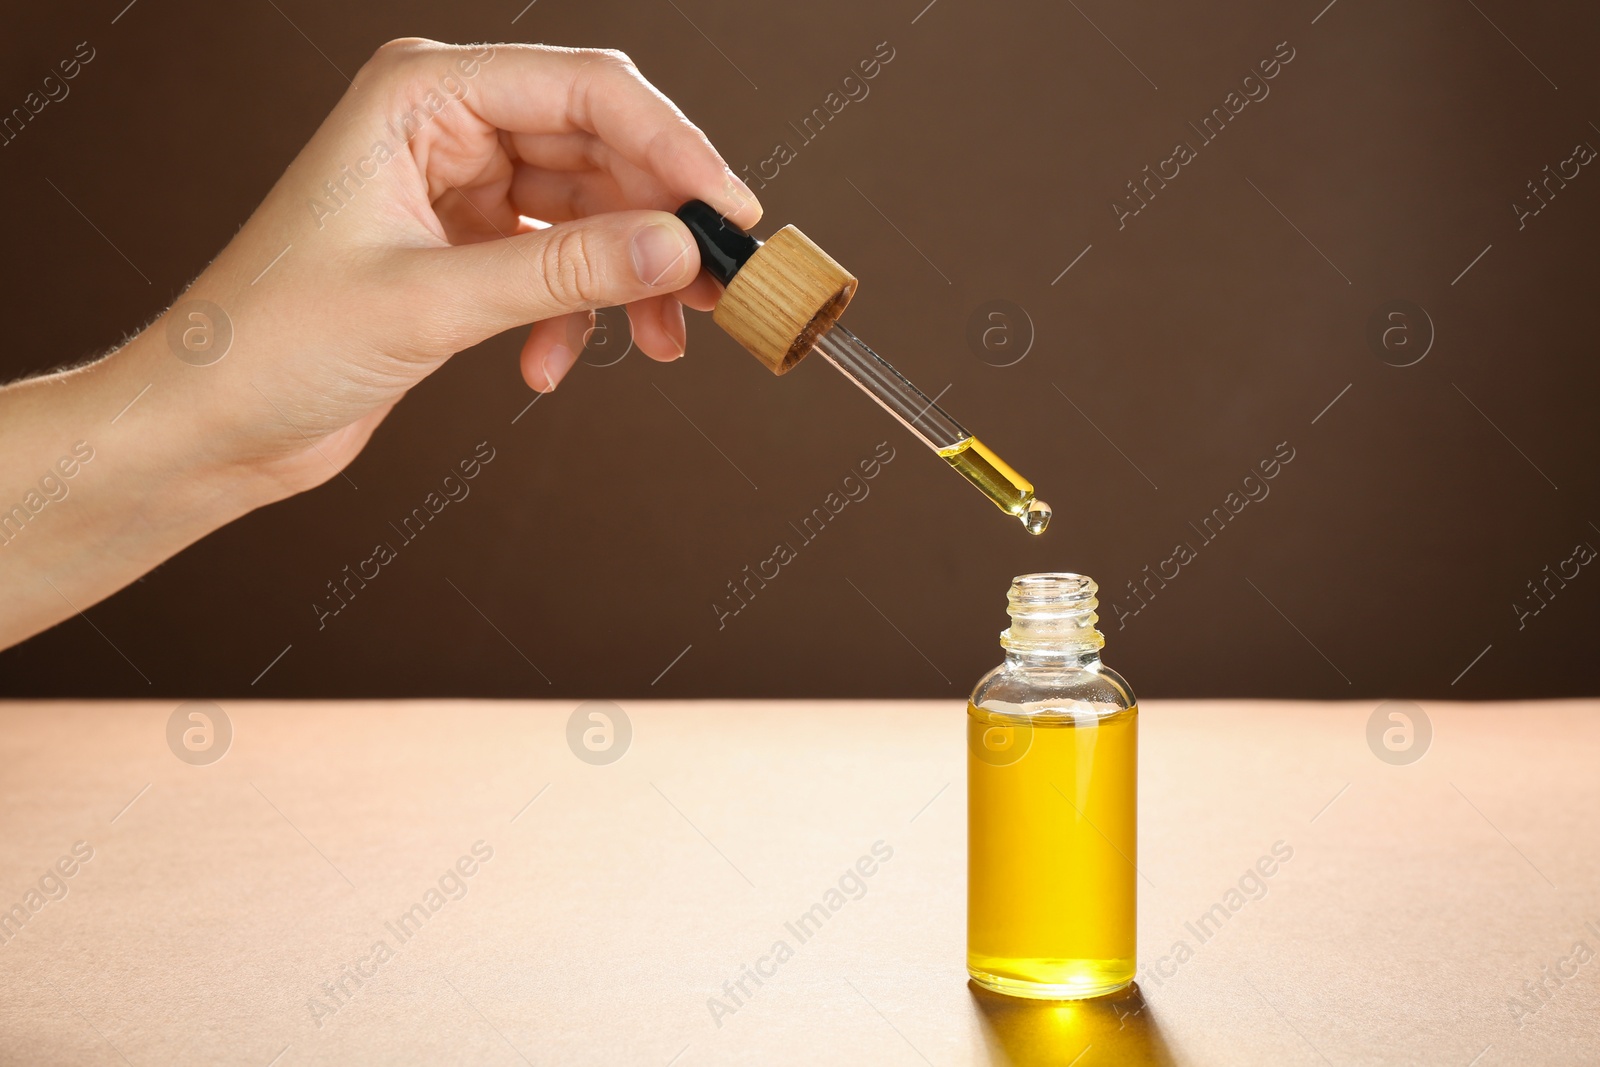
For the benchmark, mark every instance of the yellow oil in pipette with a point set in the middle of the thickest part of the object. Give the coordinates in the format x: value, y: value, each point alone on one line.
x: 999, y: 481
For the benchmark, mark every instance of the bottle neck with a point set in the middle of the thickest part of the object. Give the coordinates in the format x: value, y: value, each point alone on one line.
x: 1053, y: 619
x: 1078, y: 659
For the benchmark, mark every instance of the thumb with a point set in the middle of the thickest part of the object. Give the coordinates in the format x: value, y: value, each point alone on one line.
x: 473, y: 292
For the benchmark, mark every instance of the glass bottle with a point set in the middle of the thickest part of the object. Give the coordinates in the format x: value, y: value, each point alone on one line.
x: 1052, y: 790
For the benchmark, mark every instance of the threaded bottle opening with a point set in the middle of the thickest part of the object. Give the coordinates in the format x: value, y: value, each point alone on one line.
x: 1053, y: 613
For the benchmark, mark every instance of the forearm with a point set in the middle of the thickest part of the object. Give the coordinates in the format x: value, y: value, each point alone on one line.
x: 103, y: 475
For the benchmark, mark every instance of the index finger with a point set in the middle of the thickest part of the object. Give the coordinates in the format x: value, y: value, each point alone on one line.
x: 537, y: 89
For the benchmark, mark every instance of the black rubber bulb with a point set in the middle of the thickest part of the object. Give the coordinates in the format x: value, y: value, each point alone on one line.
x: 724, y: 248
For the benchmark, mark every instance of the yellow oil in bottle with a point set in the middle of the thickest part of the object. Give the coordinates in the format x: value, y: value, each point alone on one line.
x: 1010, y: 491
x: 1052, y: 802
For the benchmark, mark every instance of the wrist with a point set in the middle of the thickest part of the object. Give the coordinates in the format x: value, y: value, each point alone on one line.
x: 108, y: 472
x: 166, y: 426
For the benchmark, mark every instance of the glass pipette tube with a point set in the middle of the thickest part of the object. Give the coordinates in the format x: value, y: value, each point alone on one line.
x: 797, y: 289
x: 972, y: 459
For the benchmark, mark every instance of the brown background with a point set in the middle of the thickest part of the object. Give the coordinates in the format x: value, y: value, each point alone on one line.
x: 1197, y: 338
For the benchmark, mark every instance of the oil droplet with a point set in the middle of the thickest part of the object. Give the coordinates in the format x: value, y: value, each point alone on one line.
x: 1036, y: 517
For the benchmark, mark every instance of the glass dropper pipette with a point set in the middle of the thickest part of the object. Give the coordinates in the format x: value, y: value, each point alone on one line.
x: 786, y: 303
x: 1010, y: 491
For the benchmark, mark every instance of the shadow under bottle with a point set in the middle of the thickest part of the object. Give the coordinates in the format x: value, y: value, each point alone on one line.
x: 1119, y: 1028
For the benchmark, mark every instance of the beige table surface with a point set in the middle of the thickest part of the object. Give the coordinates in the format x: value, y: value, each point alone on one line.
x: 220, y: 899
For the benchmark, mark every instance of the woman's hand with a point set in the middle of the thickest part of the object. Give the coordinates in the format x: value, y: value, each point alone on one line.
x: 405, y: 236
x: 454, y: 193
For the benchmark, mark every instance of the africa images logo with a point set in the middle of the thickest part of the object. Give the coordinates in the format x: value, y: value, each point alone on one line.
x: 199, y: 732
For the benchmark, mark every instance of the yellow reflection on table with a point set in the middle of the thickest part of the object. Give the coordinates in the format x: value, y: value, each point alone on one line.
x: 1119, y: 1028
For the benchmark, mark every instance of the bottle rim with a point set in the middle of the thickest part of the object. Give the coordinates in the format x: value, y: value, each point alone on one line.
x: 1053, y: 586
x: 1052, y: 612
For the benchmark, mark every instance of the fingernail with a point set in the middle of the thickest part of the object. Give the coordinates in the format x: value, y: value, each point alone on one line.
x: 739, y: 193
x: 557, y: 362
x: 677, y: 329
x: 657, y: 251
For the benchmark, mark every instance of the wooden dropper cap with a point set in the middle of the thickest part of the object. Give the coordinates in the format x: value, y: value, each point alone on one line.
x: 779, y: 295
